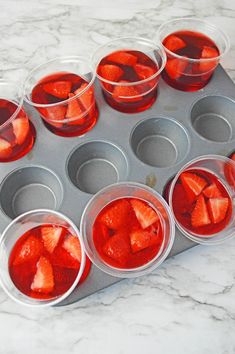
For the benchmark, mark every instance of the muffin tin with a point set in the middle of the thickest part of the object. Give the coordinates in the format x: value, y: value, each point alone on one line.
x: 148, y: 147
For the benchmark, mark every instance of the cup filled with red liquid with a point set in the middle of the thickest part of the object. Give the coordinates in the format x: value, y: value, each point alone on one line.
x: 201, y: 197
x: 42, y: 258
x: 127, y: 229
x: 194, y: 48
x: 17, y: 133
x: 128, y: 70
x: 62, y: 91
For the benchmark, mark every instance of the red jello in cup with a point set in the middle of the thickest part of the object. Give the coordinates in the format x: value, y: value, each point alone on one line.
x: 17, y: 133
x: 127, y: 229
x: 194, y: 49
x: 42, y: 258
x: 128, y: 70
x: 201, y: 199
x: 62, y: 91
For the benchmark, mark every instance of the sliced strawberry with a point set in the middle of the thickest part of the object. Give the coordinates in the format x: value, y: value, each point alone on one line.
x: 122, y: 57
x: 110, y: 72
x: 176, y: 67
x: 144, y: 213
x: 60, y: 89
x: 193, y: 184
x: 116, y: 216
x: 43, y: 281
x: 229, y: 172
x: 51, y: 236
x: 200, y: 216
x: 62, y: 258
x: 218, y: 208
x: 30, y: 250
x: 208, y: 53
x: 72, y: 245
x: 118, y: 248
x: 20, y: 129
x: 141, y: 239
x: 74, y: 112
x: 126, y: 93
x: 5, y: 149
x: 54, y: 115
x: 144, y: 71
x: 87, y: 98
x: 174, y: 43
x: 212, y: 191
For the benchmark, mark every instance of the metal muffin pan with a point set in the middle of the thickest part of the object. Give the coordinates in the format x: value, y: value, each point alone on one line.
x: 148, y: 147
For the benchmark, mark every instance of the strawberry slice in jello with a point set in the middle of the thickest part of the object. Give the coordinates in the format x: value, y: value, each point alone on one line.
x: 144, y: 71
x: 208, y: 53
x: 110, y: 72
x: 118, y: 248
x: 20, y: 129
x: 175, y: 68
x: 29, y: 251
x: 144, y: 213
x: 74, y: 111
x: 200, y: 215
x: 218, y: 208
x: 54, y: 114
x: 174, y: 43
x: 122, y: 57
x: 116, y: 216
x: 212, y: 191
x: 141, y: 239
x: 123, y: 93
x: 43, y: 281
x: 59, y: 89
x: 193, y: 184
x: 72, y: 245
x: 86, y: 98
x: 51, y: 236
x: 5, y: 149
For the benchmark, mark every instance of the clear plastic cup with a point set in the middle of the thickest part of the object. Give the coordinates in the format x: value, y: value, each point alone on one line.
x: 223, y: 169
x: 137, y: 96
x: 13, y: 232
x: 183, y: 72
x: 75, y: 114
x: 17, y: 133
x: 127, y: 190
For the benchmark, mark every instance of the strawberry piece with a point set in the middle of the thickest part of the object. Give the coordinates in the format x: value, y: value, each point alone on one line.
x: 87, y: 98
x: 144, y: 71
x: 193, y: 184
x: 212, y: 191
x: 30, y: 250
x: 126, y: 93
x: 110, y: 72
x: 60, y: 89
x: 208, y: 53
x: 141, y: 239
x: 218, y: 208
x: 144, y: 213
x: 51, y: 236
x: 116, y: 216
x: 174, y: 43
x: 20, y: 129
x: 43, y: 281
x: 176, y: 67
x: 229, y: 172
x: 54, y: 114
x: 63, y: 258
x: 122, y: 57
x: 200, y: 216
x: 74, y: 110
x: 5, y: 149
x: 72, y: 245
x: 118, y: 248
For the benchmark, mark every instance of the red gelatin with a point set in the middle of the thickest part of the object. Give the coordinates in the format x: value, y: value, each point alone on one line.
x: 17, y: 137
x: 128, y: 233
x: 183, y: 74
x: 201, y: 203
x: 71, y: 118
x: 45, y: 261
x: 128, y: 66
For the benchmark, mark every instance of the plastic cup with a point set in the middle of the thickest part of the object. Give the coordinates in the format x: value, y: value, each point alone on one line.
x: 17, y: 133
x: 134, y: 96
x: 127, y: 190
x: 55, y: 115
x: 191, y: 74
x: 223, y: 169
x: 13, y: 232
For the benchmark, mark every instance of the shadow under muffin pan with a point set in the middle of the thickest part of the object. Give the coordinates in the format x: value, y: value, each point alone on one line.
x: 148, y: 147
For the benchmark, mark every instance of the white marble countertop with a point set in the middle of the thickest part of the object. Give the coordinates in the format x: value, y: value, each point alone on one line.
x: 188, y: 305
